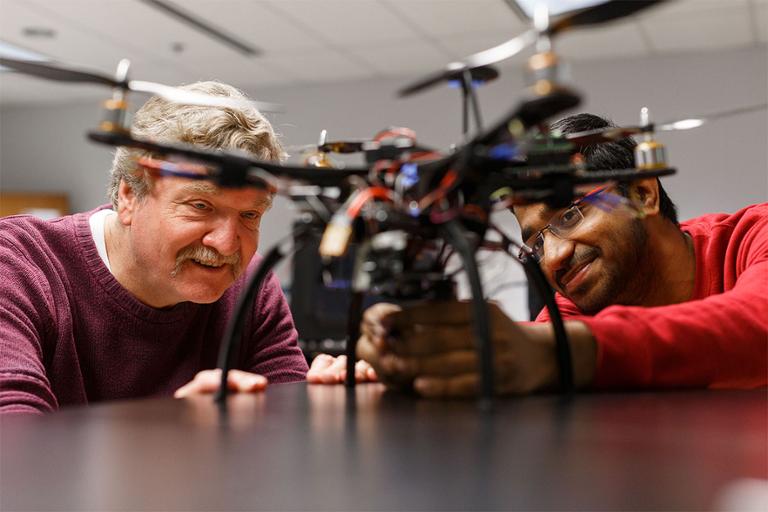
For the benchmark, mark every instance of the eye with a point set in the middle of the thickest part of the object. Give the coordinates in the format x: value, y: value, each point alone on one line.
x: 251, y: 215
x: 569, y: 217
x: 199, y: 205
x: 251, y: 219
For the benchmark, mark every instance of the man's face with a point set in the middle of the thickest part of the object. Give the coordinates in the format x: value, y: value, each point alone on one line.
x: 190, y: 240
x: 600, y: 263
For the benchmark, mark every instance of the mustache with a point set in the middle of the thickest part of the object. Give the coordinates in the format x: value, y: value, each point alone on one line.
x: 579, y: 258
x: 207, y: 256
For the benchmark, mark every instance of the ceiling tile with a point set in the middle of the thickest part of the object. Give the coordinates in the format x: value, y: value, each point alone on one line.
x: 761, y: 20
x: 71, y: 44
x: 320, y: 66
x: 335, y: 40
x: 403, y: 58
x: 714, y: 26
x: 256, y: 23
x: 239, y: 72
x: 618, y: 40
x: 347, y: 22
x: 125, y: 23
x: 195, y: 56
x: 448, y: 17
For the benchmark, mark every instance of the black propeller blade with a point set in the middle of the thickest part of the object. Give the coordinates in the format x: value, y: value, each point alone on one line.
x: 614, y: 133
x: 51, y: 71
x: 601, y: 13
x: 59, y: 73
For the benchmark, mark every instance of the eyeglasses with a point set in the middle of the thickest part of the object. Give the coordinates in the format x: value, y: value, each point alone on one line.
x: 565, y: 223
x: 561, y: 225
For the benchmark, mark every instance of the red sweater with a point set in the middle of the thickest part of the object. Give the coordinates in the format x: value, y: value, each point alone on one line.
x: 71, y: 334
x: 719, y: 339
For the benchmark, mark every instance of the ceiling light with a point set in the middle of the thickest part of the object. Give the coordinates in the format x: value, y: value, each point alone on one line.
x: 39, y: 32
x: 555, y: 7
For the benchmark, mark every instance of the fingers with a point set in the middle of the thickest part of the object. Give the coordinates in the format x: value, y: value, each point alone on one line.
x: 367, y: 351
x: 424, y: 328
x: 380, y: 312
x: 329, y: 370
x: 442, y: 364
x: 364, y: 372
x: 445, y: 313
x: 377, y: 323
x: 421, y: 339
x: 244, y: 382
x: 317, y: 370
x: 459, y: 386
x: 326, y: 369
x: 207, y: 381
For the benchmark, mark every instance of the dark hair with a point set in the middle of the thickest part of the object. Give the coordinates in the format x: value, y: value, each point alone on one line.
x: 611, y: 155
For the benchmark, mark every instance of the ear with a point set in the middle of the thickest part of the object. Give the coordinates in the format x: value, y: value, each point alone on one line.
x: 127, y: 202
x: 645, y: 195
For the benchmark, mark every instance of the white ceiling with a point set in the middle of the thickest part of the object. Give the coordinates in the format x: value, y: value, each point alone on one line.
x: 310, y: 41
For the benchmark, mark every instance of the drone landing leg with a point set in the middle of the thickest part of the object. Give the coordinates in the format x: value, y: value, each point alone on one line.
x: 234, y: 327
x: 354, y: 318
x: 480, y: 317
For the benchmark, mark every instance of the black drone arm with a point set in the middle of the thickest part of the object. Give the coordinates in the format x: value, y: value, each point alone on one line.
x: 232, y: 169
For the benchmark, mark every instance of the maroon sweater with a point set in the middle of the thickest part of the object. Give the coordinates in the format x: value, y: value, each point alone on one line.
x: 71, y: 334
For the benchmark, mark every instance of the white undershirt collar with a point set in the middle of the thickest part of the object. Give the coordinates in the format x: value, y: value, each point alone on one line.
x: 98, y: 224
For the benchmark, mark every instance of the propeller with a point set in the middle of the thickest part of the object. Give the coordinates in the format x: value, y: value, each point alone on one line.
x: 614, y: 133
x: 335, y: 146
x: 485, y: 58
x: 597, y: 14
x: 50, y: 71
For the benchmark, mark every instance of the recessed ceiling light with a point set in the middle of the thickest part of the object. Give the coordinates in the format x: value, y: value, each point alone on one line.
x: 554, y: 7
x: 39, y: 32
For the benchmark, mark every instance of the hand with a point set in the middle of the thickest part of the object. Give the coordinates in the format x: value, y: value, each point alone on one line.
x: 327, y: 369
x: 207, y: 381
x: 432, y: 347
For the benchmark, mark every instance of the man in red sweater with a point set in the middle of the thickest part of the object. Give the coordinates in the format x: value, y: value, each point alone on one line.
x: 133, y: 300
x: 648, y: 302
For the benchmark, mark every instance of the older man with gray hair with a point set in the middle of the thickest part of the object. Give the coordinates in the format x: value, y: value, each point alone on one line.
x: 132, y: 300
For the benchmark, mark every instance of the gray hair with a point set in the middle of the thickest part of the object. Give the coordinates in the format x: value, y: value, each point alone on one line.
x: 208, y: 127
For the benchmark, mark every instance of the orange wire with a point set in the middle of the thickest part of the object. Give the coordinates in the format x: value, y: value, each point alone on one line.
x: 439, y: 193
x: 365, y: 196
x: 476, y: 211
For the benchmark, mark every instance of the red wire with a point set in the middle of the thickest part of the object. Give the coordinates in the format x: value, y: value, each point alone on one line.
x: 366, y: 195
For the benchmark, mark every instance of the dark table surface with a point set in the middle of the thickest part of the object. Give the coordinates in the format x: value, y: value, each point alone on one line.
x: 300, y: 447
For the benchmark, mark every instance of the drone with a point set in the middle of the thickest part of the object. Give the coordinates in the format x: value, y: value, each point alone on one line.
x: 411, y: 207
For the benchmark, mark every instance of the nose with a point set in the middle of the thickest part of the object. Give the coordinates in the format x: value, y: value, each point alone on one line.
x: 224, y: 235
x: 557, y: 253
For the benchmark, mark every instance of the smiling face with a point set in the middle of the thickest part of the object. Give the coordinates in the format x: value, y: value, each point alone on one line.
x: 187, y: 240
x: 603, y: 261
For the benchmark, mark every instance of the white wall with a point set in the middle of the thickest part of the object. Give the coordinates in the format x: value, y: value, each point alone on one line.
x: 722, y: 166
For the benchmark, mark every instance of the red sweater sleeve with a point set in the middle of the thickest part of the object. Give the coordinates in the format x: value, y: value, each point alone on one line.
x: 717, y: 340
x: 276, y: 355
